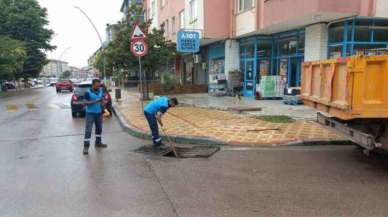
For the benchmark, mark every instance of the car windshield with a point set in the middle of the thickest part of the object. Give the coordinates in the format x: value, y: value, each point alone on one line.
x: 82, y: 88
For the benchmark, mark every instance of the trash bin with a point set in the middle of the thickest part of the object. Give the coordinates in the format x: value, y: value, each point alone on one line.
x: 118, y: 93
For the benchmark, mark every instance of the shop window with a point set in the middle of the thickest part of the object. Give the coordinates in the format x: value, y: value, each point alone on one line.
x: 247, y: 51
x: 249, y: 71
x: 368, y: 49
x: 335, y: 51
x: 381, y: 31
x: 264, y: 49
x: 363, y: 31
x: 283, y: 67
x: 216, y: 66
x: 287, y: 46
x: 301, y: 43
x: 336, y: 33
x: 263, y: 69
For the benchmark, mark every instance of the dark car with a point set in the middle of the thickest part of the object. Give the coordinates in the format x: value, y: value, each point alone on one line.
x: 64, y: 85
x: 7, y: 86
x: 79, y: 96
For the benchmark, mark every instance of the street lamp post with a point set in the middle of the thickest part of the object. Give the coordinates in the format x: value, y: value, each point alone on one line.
x: 98, y: 34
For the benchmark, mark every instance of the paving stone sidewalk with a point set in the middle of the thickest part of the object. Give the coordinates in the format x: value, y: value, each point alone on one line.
x: 225, y: 126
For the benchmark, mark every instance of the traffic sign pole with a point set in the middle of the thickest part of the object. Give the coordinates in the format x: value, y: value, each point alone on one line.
x: 139, y: 48
x: 141, y: 84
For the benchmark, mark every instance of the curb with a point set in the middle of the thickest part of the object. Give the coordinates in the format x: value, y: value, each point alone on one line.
x: 133, y: 131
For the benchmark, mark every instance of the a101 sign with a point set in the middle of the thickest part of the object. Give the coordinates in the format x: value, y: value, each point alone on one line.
x: 188, y: 41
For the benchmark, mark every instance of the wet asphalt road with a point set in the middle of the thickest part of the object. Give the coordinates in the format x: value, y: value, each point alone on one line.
x: 44, y: 174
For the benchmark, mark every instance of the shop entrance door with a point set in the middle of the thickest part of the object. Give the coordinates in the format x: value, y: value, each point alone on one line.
x: 249, y: 78
x: 294, y: 72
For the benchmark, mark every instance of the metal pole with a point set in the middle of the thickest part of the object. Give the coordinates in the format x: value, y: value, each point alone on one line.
x: 141, y: 85
x: 98, y: 33
x: 104, y: 64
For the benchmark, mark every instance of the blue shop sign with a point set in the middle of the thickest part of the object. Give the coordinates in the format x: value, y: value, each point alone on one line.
x: 188, y: 42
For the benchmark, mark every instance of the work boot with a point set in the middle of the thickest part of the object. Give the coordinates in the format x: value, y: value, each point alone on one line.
x: 86, y: 151
x: 101, y: 145
x: 161, y: 146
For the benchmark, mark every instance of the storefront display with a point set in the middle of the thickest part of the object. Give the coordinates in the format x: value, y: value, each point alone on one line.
x: 358, y: 36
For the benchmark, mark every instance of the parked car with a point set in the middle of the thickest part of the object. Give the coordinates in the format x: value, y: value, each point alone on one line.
x: 64, y: 85
x: 79, y: 96
x: 8, y: 86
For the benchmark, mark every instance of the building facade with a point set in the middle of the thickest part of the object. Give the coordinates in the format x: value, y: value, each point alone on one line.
x: 269, y: 37
x: 54, y: 68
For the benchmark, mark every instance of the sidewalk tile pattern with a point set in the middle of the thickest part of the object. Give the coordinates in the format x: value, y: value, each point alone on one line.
x: 225, y: 126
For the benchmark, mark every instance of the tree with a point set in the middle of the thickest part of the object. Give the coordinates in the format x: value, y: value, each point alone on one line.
x: 12, y: 57
x: 118, y: 55
x: 26, y: 21
x: 65, y: 75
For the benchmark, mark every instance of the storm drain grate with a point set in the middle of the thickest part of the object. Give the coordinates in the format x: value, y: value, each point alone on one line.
x: 150, y: 150
x: 194, y: 152
x: 182, y: 151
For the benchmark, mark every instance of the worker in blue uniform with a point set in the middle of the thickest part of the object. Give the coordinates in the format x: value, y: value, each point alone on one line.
x: 94, y: 97
x: 153, y: 113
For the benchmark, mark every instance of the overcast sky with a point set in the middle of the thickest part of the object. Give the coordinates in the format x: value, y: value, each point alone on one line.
x: 74, y: 37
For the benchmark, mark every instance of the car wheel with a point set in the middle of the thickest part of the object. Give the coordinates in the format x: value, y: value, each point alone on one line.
x: 74, y: 114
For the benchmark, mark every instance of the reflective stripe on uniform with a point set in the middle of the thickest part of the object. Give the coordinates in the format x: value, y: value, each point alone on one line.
x: 98, y: 136
x: 158, y: 140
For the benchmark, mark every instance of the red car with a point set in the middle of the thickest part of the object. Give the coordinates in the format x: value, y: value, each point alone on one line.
x: 64, y: 85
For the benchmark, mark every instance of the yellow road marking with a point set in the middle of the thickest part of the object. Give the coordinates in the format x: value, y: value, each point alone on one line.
x: 11, y: 108
x: 31, y: 106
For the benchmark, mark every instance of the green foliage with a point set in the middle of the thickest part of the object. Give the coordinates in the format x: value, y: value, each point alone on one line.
x: 65, y: 75
x: 168, y: 81
x: 26, y: 21
x: 118, y: 54
x: 12, y: 57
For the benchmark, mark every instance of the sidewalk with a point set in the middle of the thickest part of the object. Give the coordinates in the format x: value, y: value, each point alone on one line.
x: 223, y: 127
x: 269, y: 107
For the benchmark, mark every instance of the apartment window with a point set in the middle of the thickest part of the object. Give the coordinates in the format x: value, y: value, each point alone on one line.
x: 163, y: 28
x: 243, y: 5
x: 162, y: 3
x: 182, y: 19
x: 193, y: 10
x: 167, y: 28
x: 173, y: 25
x: 153, y: 9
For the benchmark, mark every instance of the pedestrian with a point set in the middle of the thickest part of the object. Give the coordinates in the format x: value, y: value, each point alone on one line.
x: 153, y: 113
x: 94, y: 109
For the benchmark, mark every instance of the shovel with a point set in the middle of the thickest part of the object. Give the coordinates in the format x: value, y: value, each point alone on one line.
x: 170, y: 143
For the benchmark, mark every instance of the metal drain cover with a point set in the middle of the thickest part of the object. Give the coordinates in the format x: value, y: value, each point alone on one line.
x: 194, y: 151
x: 151, y: 150
x: 183, y: 151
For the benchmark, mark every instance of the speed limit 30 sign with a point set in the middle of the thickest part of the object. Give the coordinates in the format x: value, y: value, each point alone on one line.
x: 139, y: 48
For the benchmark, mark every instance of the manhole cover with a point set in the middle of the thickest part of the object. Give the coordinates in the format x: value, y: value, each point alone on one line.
x: 182, y: 151
x: 151, y: 150
x: 194, y: 151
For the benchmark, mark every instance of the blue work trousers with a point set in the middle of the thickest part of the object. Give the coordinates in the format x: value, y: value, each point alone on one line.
x: 96, y: 119
x: 153, y: 123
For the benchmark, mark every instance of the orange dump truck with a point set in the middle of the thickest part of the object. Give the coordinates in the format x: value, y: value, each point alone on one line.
x: 352, y: 94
